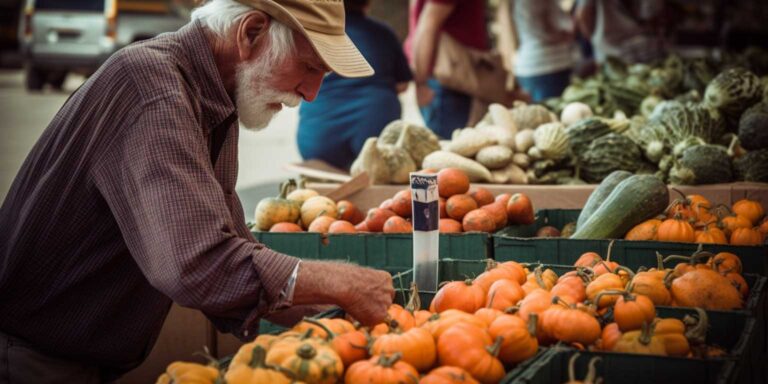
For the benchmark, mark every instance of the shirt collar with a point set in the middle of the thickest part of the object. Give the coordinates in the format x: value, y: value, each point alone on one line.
x: 214, y: 99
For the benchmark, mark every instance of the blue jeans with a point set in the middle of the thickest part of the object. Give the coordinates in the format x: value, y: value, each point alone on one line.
x: 543, y: 87
x: 449, y: 110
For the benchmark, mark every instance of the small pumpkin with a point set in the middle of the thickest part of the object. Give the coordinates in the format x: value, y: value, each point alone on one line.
x: 461, y: 295
x: 322, y: 224
x: 750, y: 209
x: 452, y: 181
x: 401, y: 203
x: 520, y: 209
x: 731, y: 221
x: 496, y: 271
x: 710, y: 235
x: 376, y: 218
x: 747, y: 236
x: 397, y: 224
x: 302, y: 193
x: 610, y: 336
x: 348, y: 211
x: 254, y: 370
x: 184, y: 372
x: 488, y: 315
x: 573, y: 285
x: 603, y: 283
x: 570, y: 323
x: 315, y: 207
x: 642, y: 341
x: 482, y: 196
x: 518, y: 337
x: 382, y: 370
x: 449, y: 226
x: 646, y: 231
x: 308, y: 360
x: 725, y: 262
x: 503, y: 294
x: 588, y: 260
x: 457, y: 206
x: 286, y: 227
x: 273, y: 210
x: 676, y: 229
x: 705, y: 288
x: 416, y: 346
x: 440, y: 322
x: 672, y: 334
x: 448, y: 375
x: 471, y: 348
x: 341, y: 226
x: 478, y: 220
x: 763, y: 228
x: 651, y: 284
x: 631, y: 311
x: 498, y: 212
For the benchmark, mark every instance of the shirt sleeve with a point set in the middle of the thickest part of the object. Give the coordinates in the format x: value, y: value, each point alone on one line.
x: 160, y: 186
x: 402, y: 69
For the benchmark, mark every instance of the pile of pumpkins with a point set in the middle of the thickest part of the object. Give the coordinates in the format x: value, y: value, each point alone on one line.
x: 299, y: 209
x: 694, y: 219
x: 476, y: 330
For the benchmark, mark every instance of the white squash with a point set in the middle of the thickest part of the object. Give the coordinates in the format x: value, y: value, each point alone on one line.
x: 551, y: 141
x: 494, y: 157
x: 444, y: 159
x: 521, y: 160
x: 502, y: 135
x: 469, y: 142
x: 501, y: 117
x: 574, y: 112
x: 524, y: 141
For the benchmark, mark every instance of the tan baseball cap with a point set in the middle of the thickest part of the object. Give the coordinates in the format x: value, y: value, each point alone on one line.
x: 322, y: 22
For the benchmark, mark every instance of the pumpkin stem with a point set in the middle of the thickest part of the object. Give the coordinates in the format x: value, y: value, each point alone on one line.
x: 611, y: 292
x: 388, y: 361
x: 592, y: 370
x: 572, y: 368
x: 329, y: 334
x: 659, y: 261
x: 258, y: 359
x: 306, y: 351
x: 586, y: 274
x: 646, y: 332
x: 668, y: 277
x: 696, y: 327
x: 490, y: 264
x: 628, y: 271
x: 495, y: 347
x: 512, y: 310
x: 539, y: 279
x: 284, y: 188
x: 610, y: 248
x: 679, y: 192
x: 490, y: 301
x: 533, y: 320
x: 557, y: 300
x: 206, y: 354
x: 414, y: 302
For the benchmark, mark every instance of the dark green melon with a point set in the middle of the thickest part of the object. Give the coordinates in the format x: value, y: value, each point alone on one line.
x: 753, y: 166
x: 702, y: 164
x: 732, y: 92
x: 609, y: 153
x: 584, y: 132
x: 753, y: 127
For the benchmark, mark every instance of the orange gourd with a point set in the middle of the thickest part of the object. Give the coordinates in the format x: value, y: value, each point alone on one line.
x: 439, y: 323
x: 341, y: 226
x: 750, y: 209
x: 482, y: 196
x: 452, y: 181
x: 676, y: 229
x: 348, y: 211
x: 747, y: 236
x: 376, y: 218
x: 448, y: 375
x: 397, y: 224
x: 631, y: 311
x: 610, y: 335
x: 570, y: 323
x: 457, y: 206
x: 382, y: 370
x: 520, y: 209
x: 672, y: 334
x: 602, y: 283
x: 518, y: 337
x: 725, y: 262
x: 642, y: 341
x: 416, y: 345
x: 645, y: 231
x: 495, y: 271
x: 710, y: 235
x: 450, y: 226
x: 503, y: 294
x: 478, y: 220
x: 572, y: 285
x: 286, y: 227
x: 401, y: 203
x: 461, y: 295
x: 498, y: 212
x: 471, y: 348
x: 588, y: 260
x: 705, y: 288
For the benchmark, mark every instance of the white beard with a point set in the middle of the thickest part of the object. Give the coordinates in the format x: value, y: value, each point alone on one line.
x: 252, y: 102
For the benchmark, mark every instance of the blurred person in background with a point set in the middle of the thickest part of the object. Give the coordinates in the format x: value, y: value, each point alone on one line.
x: 443, y: 109
x: 347, y: 111
x: 632, y: 30
x: 127, y: 202
x: 546, y: 52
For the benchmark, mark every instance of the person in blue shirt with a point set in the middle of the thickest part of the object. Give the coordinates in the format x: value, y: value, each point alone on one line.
x: 347, y: 111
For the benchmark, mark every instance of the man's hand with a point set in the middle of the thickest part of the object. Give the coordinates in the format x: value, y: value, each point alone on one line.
x: 424, y: 94
x: 364, y: 293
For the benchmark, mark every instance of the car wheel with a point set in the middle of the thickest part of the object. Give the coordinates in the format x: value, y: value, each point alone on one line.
x: 35, y: 79
x: 57, y: 79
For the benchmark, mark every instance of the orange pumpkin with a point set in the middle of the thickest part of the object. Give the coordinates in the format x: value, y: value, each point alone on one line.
x: 461, y: 295
x: 520, y: 209
x: 286, y: 227
x: 376, y: 218
x: 496, y: 271
x: 750, y: 209
x: 588, y: 260
x: 449, y: 226
x: 518, y: 337
x: 452, y: 181
x: 610, y: 335
x: 498, y: 212
x: 440, y: 322
x: 672, y: 334
x: 321, y: 224
x: 488, y: 315
x: 705, y: 288
x: 397, y: 224
x: 381, y: 369
x: 710, y: 235
x: 472, y: 349
x: 351, y: 346
x: 535, y: 302
x: 680, y: 209
x: 320, y: 327
x: 725, y: 262
x: 738, y: 282
x: 348, y: 211
x: 416, y: 345
x: 441, y: 207
x: 631, y: 311
x: 763, y: 228
x: 602, y: 283
x: 651, y: 284
x: 569, y: 323
x: 503, y: 199
x: 676, y: 229
x: 457, y: 206
x: 645, y: 231
x: 341, y: 226
x: 482, y: 196
x: 503, y: 294
x: 734, y: 222
x: 572, y: 285
x: 478, y: 220
x: 642, y: 341
x: 747, y: 236
x: 448, y: 375
x: 698, y: 201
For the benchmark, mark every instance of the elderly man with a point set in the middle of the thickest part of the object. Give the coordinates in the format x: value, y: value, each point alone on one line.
x: 127, y: 202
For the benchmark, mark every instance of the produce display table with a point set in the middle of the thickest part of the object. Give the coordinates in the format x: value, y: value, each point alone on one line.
x: 563, y: 196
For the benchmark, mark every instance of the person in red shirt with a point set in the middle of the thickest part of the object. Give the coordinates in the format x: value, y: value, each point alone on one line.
x: 443, y: 109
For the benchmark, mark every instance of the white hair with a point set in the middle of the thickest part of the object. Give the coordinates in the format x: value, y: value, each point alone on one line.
x: 221, y: 16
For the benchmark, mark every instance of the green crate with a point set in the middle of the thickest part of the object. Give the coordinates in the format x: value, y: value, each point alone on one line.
x: 390, y: 252
x: 519, y: 244
x: 552, y: 367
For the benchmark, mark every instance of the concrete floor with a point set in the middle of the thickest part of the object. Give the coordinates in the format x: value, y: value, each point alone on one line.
x: 24, y: 116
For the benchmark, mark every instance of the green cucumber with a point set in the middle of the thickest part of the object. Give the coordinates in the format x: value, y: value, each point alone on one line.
x: 634, y: 200
x: 600, y: 194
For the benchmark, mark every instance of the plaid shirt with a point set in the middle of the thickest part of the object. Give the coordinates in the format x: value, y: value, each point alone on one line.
x: 118, y: 210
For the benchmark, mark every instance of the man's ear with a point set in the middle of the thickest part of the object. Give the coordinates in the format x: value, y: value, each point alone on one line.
x: 252, y: 29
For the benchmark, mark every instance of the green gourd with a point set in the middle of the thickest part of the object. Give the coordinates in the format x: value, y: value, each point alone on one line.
x: 273, y: 210
x: 582, y: 133
x: 634, y: 200
x: 753, y: 166
x: 753, y: 127
x: 600, y: 193
x: 702, y: 164
x: 612, y: 152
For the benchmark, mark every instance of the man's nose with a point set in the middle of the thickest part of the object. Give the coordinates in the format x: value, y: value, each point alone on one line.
x: 310, y: 86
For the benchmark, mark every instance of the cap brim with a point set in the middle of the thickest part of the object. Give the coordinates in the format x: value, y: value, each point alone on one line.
x: 340, y: 54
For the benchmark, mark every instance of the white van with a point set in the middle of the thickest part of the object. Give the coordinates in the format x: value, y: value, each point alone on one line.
x: 61, y: 36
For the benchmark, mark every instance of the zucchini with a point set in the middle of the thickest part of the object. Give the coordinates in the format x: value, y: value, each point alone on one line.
x: 634, y: 200
x: 600, y: 194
